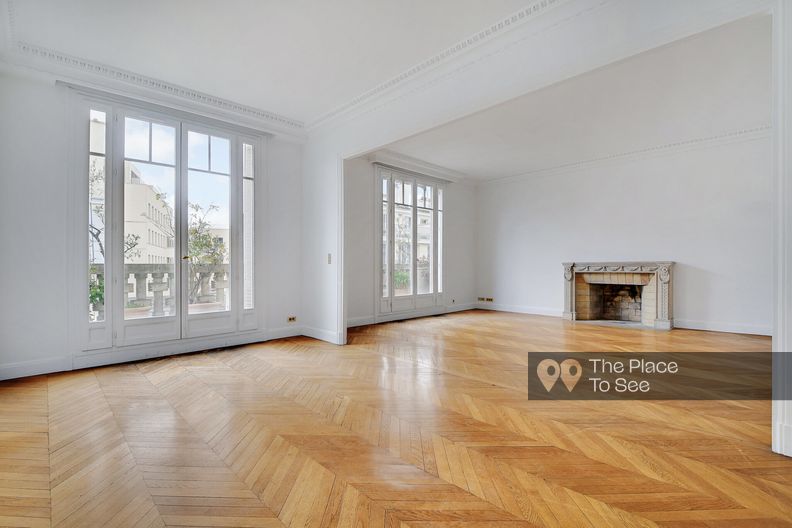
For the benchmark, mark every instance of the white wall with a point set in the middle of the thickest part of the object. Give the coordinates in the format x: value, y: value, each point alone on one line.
x: 360, y: 244
x: 359, y: 248
x: 283, y: 228
x: 709, y: 209
x: 33, y: 234
x: 35, y: 158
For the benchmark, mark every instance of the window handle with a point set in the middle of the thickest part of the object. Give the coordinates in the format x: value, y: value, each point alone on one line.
x: 186, y: 257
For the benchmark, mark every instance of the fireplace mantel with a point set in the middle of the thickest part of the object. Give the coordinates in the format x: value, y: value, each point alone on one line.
x: 660, y: 274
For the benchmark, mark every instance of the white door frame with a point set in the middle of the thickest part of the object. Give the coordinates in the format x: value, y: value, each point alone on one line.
x: 781, y: 11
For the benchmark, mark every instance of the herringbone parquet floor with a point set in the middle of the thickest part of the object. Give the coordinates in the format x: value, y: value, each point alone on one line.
x: 416, y: 424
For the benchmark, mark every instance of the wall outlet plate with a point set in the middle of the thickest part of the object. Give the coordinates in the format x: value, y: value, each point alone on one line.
x: 292, y: 318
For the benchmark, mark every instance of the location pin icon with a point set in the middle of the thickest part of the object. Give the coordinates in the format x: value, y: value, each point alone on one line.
x: 570, y: 373
x: 548, y: 372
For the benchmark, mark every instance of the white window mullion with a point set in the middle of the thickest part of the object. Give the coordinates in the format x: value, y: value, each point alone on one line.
x: 434, y: 243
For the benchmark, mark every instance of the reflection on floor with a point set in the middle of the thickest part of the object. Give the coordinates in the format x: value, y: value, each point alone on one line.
x: 419, y: 423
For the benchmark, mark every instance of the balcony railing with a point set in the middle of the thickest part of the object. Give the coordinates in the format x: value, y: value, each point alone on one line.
x: 149, y: 288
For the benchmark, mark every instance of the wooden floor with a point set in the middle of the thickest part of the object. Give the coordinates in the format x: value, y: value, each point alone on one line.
x: 416, y: 424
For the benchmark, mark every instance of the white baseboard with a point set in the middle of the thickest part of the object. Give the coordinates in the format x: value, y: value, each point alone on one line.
x: 97, y: 358
x: 360, y: 321
x: 691, y: 324
x: 785, y: 442
x: 531, y: 310
x: 412, y: 314
x: 284, y: 331
x: 321, y: 334
x: 35, y: 367
x: 715, y: 326
x: 461, y: 307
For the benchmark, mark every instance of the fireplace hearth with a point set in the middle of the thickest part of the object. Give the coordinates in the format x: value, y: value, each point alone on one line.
x: 624, y: 292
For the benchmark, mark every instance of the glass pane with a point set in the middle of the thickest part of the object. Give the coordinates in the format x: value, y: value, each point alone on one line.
x: 97, y: 132
x: 208, y: 242
x: 440, y: 199
x: 247, y: 244
x: 425, y: 253
x: 197, y: 151
x: 440, y: 246
x: 429, y: 197
x: 385, y: 262
x: 408, y: 197
x: 163, y: 144
x: 149, y: 240
x: 247, y: 161
x: 96, y: 237
x: 220, y: 155
x: 248, y: 228
x: 136, y: 139
x: 397, y: 191
x: 421, y: 199
x: 402, y: 251
x: 384, y: 190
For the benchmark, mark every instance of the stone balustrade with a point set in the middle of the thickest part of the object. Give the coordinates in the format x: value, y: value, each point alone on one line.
x: 152, y: 285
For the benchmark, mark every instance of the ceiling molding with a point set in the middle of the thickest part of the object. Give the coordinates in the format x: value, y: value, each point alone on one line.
x: 11, y: 23
x: 55, y: 62
x: 487, y: 34
x: 40, y: 54
x: 37, y: 53
x: 747, y: 134
x: 397, y: 160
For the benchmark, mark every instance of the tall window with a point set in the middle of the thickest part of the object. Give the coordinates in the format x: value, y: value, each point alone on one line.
x: 403, y: 238
x: 248, y: 217
x: 97, y: 189
x: 425, y: 240
x: 411, y: 238
x: 149, y: 206
x: 440, y: 240
x: 209, y: 222
x: 180, y: 261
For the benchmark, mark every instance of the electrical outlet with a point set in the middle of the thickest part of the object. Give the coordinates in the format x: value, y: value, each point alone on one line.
x: 481, y: 299
x: 292, y: 318
x: 488, y: 299
x: 453, y: 301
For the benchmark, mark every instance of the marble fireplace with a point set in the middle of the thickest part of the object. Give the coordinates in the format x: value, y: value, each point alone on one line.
x: 637, y: 293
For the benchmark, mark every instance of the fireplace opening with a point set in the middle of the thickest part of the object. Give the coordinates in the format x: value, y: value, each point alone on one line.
x: 620, y: 302
x: 623, y: 297
x: 624, y: 293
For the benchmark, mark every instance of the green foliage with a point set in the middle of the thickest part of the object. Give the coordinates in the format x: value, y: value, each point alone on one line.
x: 401, y: 279
x: 96, y: 290
x: 205, y: 248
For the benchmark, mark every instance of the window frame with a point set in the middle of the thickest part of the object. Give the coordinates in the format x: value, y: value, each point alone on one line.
x: 97, y: 337
x: 393, y: 306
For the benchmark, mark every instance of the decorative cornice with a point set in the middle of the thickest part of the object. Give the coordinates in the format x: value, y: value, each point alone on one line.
x: 701, y: 142
x: 480, y: 37
x: 34, y: 52
x: 173, y: 90
x: 402, y: 161
x: 11, y: 37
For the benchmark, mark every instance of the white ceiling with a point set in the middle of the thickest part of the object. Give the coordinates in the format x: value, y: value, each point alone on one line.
x: 714, y: 83
x: 298, y: 58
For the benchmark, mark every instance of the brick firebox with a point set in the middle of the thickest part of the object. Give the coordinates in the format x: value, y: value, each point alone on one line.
x: 639, y: 292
